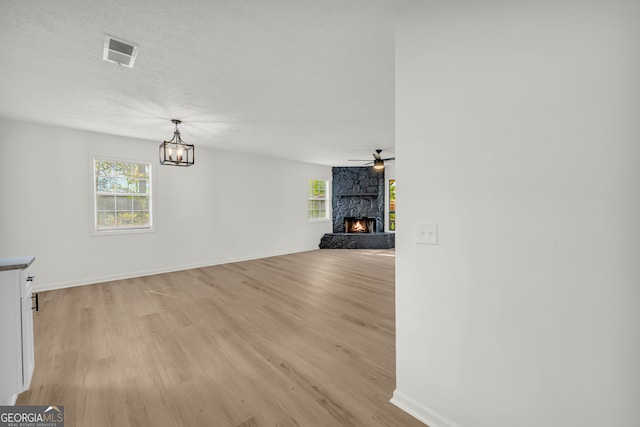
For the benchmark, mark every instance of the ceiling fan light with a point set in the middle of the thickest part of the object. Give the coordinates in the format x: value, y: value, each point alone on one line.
x: 378, y: 164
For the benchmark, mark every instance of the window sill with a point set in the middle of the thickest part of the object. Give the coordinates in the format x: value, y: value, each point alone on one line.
x: 319, y: 219
x: 122, y: 232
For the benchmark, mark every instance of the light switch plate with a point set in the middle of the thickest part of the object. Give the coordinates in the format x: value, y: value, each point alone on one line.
x: 427, y: 233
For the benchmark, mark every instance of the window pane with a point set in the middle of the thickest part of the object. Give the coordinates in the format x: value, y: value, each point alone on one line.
x: 124, y: 203
x: 106, y: 219
x: 317, y: 203
x: 105, y: 184
x: 140, y: 203
x: 106, y: 203
x: 141, y: 171
x: 141, y: 218
x: 317, y: 208
x: 124, y: 219
x: 317, y: 189
x: 113, y: 184
x: 133, y: 186
x: 122, y: 208
x: 138, y: 186
x: 392, y: 204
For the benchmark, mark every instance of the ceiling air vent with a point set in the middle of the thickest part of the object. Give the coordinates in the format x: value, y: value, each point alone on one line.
x: 119, y: 51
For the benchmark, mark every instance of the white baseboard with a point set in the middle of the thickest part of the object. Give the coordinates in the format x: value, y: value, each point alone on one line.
x: 419, y: 411
x: 130, y: 275
x: 8, y: 401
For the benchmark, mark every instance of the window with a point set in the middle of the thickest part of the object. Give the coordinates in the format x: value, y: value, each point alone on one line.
x: 392, y: 205
x: 318, y: 199
x: 122, y: 195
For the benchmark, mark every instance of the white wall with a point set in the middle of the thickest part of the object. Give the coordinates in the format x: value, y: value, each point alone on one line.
x: 226, y: 207
x: 518, y: 132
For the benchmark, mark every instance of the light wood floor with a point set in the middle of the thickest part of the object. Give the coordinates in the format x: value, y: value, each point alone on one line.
x: 298, y: 340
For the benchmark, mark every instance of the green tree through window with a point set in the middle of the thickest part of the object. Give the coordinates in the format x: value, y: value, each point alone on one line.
x: 392, y: 205
x: 122, y: 195
x: 317, y: 203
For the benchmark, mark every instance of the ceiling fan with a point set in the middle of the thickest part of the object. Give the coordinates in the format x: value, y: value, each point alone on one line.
x: 378, y: 161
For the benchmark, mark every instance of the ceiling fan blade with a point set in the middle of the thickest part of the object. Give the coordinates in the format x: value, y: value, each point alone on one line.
x: 377, y: 156
x: 389, y: 158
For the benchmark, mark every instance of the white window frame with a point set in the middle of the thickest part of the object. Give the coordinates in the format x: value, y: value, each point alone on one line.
x: 388, y: 207
x: 327, y: 199
x: 151, y: 202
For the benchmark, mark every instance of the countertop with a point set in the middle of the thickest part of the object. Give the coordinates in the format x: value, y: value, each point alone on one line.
x: 18, y: 263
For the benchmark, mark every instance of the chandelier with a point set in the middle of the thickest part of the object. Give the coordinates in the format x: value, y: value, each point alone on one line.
x: 175, y: 152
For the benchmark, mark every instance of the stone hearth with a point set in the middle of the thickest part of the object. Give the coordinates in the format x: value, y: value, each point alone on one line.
x: 358, y: 241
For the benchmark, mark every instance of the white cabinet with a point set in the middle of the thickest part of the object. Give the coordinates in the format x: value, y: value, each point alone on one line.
x: 17, y: 303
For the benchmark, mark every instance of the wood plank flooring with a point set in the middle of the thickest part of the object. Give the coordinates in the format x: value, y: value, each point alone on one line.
x: 305, y: 339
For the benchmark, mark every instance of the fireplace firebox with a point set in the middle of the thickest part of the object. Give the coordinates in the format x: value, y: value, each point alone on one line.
x: 359, y: 224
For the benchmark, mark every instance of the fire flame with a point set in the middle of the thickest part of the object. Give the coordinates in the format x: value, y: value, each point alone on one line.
x: 359, y: 226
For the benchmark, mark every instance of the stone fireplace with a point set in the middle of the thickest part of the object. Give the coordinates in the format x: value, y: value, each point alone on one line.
x: 357, y: 192
x: 357, y: 200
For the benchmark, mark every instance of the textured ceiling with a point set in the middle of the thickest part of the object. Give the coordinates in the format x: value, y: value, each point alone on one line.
x: 299, y: 79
